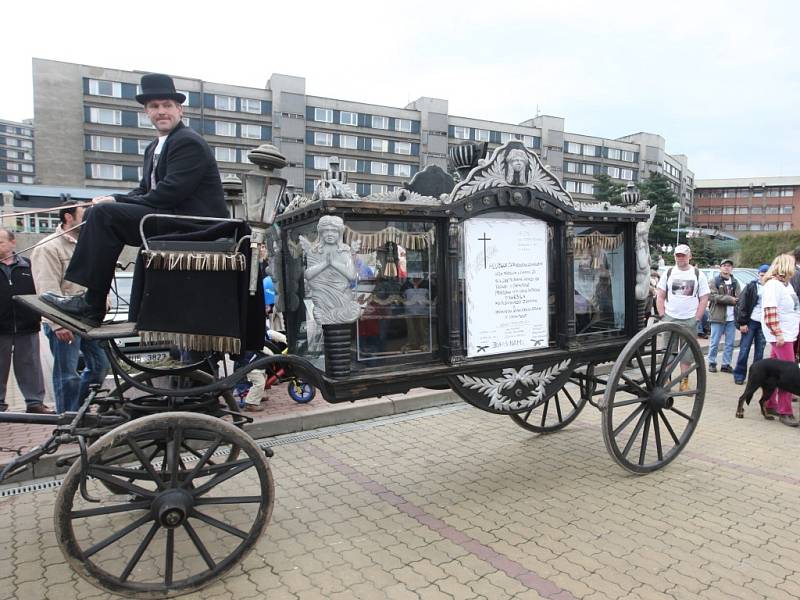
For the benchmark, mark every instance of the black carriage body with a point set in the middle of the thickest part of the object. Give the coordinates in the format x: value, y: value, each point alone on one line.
x: 585, y: 251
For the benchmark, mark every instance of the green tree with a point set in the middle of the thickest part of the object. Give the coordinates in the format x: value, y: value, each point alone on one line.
x: 606, y: 190
x: 658, y: 191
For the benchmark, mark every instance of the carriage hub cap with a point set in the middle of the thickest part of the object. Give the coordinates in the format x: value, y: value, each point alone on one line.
x: 660, y: 398
x: 170, y: 508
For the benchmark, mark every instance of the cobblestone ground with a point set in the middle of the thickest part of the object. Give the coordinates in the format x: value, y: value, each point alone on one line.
x: 462, y: 504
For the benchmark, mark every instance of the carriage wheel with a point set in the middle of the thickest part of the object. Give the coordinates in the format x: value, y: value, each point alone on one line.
x: 654, y: 397
x: 182, y: 522
x: 559, y: 410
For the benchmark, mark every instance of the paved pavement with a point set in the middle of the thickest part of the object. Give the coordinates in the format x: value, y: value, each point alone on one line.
x: 451, y: 502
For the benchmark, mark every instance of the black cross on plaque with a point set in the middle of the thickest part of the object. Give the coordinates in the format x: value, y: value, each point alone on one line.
x: 484, y: 239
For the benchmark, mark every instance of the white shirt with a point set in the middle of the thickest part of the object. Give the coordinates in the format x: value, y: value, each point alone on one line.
x: 757, y: 310
x: 683, y: 292
x: 781, y: 296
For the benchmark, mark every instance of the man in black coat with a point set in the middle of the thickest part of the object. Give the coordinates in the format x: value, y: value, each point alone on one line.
x: 180, y: 176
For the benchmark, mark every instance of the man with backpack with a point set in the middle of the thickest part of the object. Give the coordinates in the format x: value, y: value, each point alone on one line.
x: 725, y: 292
x: 682, y: 295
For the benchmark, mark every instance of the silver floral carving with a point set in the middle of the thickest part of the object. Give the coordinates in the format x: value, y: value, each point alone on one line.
x: 511, y: 165
x: 497, y: 390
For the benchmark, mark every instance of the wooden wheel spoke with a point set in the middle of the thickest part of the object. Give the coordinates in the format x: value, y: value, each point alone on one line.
x: 204, y: 459
x: 109, y: 510
x: 672, y: 341
x: 681, y: 413
x: 569, y: 397
x: 669, y: 427
x: 670, y: 368
x: 145, y: 462
x: 139, y: 552
x: 218, y: 524
x: 118, y: 535
x: 230, y: 470
x: 640, y: 363
x: 635, y: 384
x: 228, y: 500
x: 645, y: 437
x: 628, y: 402
x: 669, y: 385
x: 558, y: 408
x: 123, y: 484
x: 169, y: 557
x: 635, y: 433
x: 199, y: 545
x: 174, y: 457
x: 544, y: 412
x: 628, y: 420
x: 657, y: 435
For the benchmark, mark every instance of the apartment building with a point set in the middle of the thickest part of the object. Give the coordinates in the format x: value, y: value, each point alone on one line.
x: 91, y: 132
x: 16, y: 152
x: 748, y: 205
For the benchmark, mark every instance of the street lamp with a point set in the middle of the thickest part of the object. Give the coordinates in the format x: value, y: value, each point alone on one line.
x: 263, y: 192
x: 677, y: 206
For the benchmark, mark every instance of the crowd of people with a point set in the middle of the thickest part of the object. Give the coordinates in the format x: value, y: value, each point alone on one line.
x: 766, y: 310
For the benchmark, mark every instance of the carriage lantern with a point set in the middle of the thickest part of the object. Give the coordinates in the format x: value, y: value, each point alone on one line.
x: 263, y: 192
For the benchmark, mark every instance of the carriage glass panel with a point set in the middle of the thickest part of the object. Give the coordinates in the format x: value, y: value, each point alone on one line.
x: 599, y: 274
x: 396, y: 287
x: 508, y: 282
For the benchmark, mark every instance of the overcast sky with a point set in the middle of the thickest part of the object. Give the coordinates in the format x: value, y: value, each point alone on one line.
x: 718, y: 79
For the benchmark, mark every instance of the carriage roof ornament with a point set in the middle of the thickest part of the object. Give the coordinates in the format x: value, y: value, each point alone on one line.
x: 263, y: 192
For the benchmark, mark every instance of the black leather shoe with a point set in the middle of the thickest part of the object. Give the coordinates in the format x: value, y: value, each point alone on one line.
x: 75, y: 306
x: 40, y: 409
x: 726, y: 369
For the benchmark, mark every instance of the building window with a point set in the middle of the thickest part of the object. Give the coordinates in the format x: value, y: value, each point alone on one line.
x: 323, y: 115
x: 13, y: 178
x: 100, y: 171
x: 26, y: 168
x: 12, y: 166
x: 225, y: 154
x: 626, y: 174
x: 349, y: 165
x: 144, y: 121
x: 614, y: 153
x: 140, y: 173
x: 755, y: 227
x: 243, y: 155
x: 771, y: 227
x: 787, y: 209
x: 252, y: 132
x: 786, y: 226
x: 348, y: 141
x: 772, y: 210
x: 225, y: 103
x: 587, y: 169
x: 12, y: 142
x: 99, y: 87
x: 323, y: 139
x: 756, y: 210
x: 12, y: 154
x: 571, y: 186
x: 742, y: 210
x: 729, y: 193
x: 481, y: 135
x: 402, y: 148
x: 378, y: 188
x: 627, y: 156
x: 30, y: 180
x: 504, y: 137
x: 728, y: 210
x: 380, y: 122
x: 529, y: 141
x: 225, y: 128
x: 380, y: 145
x: 758, y: 193
x: 787, y: 192
x: 589, y: 150
x: 741, y: 227
x: 143, y: 144
x: 743, y: 193
x: 402, y: 170
x: 587, y: 188
x: 773, y: 192
x: 251, y: 105
x: 461, y: 133
x: 101, y: 143
x: 613, y: 172
x: 402, y: 125
x: 348, y: 118
x: 571, y: 167
x: 379, y: 168
x: 105, y: 116
x: 321, y: 163
x: 573, y: 148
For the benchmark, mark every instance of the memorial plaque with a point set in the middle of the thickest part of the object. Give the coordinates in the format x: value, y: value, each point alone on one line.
x: 505, y: 273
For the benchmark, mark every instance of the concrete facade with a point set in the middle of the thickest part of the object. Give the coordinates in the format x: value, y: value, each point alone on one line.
x: 94, y: 109
x: 16, y: 152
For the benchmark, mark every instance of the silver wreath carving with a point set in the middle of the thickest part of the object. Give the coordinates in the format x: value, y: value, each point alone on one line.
x: 494, y: 389
x: 511, y: 165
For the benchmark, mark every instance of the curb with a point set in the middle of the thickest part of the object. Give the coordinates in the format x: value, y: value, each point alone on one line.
x: 326, y: 416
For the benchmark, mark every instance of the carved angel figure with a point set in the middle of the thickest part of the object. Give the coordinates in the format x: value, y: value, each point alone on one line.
x: 517, y: 167
x: 329, y: 273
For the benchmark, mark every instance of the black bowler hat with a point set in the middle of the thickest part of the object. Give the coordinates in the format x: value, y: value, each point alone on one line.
x: 156, y: 86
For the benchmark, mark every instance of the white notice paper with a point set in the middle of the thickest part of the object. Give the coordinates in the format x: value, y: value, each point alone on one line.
x: 505, y: 273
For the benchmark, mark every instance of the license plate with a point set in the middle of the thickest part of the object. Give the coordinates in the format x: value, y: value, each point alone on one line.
x: 148, y: 357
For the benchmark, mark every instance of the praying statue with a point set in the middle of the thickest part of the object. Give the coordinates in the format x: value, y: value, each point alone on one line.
x: 330, y: 274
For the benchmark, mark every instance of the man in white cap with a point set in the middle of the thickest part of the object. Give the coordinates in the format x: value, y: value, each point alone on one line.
x: 682, y: 294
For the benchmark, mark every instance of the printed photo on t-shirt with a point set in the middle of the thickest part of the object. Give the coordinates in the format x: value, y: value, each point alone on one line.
x: 683, y: 287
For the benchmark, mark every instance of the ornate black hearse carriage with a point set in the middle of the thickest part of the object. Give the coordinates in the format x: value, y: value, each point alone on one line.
x: 501, y: 287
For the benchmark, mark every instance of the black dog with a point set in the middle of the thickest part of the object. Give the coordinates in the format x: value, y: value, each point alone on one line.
x: 769, y: 374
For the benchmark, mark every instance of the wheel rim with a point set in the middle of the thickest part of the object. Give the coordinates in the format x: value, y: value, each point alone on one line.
x: 301, y: 391
x: 186, y: 518
x: 556, y: 412
x: 648, y: 412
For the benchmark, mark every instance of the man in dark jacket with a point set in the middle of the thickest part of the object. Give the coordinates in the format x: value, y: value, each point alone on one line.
x: 748, y: 319
x: 180, y: 176
x: 19, y: 329
x: 724, y: 292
